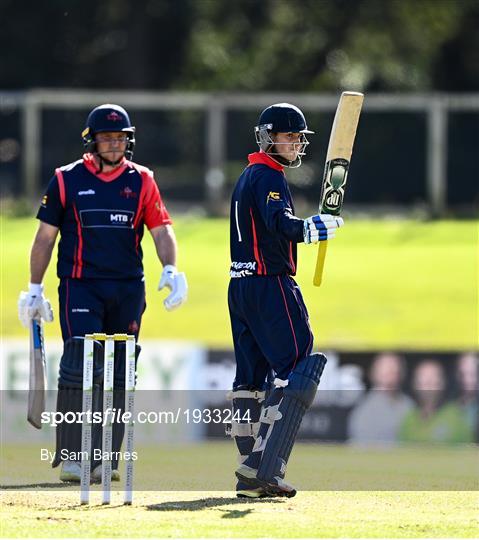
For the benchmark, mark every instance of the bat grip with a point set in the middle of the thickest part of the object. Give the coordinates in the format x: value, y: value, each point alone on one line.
x: 318, y: 272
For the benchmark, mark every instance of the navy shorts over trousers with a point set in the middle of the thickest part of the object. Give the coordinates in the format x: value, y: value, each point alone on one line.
x: 270, y: 326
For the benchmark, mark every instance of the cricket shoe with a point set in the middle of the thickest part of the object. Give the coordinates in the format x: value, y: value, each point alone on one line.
x: 247, y: 491
x: 70, y: 472
x: 96, y: 475
x: 276, y: 487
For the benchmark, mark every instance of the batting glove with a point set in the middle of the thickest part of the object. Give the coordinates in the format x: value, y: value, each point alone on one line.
x: 321, y: 227
x: 33, y: 305
x: 176, y: 282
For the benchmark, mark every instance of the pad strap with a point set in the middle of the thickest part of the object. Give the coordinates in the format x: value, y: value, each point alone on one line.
x: 246, y: 394
x: 243, y: 430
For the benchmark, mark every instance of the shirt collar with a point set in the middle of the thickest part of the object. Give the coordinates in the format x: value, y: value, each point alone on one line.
x: 264, y: 159
x: 92, y: 166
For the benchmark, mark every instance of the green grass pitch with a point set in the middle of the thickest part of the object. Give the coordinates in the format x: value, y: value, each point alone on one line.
x: 392, y: 284
x: 204, y: 505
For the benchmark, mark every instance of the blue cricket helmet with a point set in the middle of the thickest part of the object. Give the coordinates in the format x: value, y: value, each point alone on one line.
x: 108, y: 118
x: 283, y: 118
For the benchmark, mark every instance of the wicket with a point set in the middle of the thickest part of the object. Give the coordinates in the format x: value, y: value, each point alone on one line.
x: 107, y: 433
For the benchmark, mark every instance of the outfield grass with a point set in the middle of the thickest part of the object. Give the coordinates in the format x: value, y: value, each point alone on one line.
x: 395, y: 284
x: 200, y: 509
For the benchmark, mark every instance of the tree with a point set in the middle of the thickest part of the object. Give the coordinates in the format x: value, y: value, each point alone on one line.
x: 242, y: 45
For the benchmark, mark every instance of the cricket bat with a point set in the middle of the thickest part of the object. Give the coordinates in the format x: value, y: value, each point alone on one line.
x: 37, y: 378
x: 340, y: 148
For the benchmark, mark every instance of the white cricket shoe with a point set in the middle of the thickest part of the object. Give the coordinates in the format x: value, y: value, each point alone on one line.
x: 71, y: 471
x: 96, y: 475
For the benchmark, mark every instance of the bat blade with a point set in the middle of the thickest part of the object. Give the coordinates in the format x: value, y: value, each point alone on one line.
x: 37, y: 377
x: 338, y: 157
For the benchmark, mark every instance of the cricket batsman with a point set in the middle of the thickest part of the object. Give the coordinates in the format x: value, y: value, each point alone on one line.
x: 269, y: 320
x: 100, y: 206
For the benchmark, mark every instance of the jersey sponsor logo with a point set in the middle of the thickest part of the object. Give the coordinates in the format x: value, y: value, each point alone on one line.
x: 273, y: 196
x: 242, y: 269
x: 240, y: 273
x: 80, y: 310
x: 109, y: 218
x: 118, y: 218
x: 87, y: 192
x: 128, y: 193
x: 250, y: 265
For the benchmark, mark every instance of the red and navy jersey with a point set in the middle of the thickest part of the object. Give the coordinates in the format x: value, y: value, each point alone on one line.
x: 101, y: 217
x: 263, y: 228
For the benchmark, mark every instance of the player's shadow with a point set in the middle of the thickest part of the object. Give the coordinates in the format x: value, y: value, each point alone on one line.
x: 212, y: 502
x: 235, y: 514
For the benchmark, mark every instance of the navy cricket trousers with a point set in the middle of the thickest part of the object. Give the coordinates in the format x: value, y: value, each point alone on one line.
x: 270, y: 326
x: 101, y: 305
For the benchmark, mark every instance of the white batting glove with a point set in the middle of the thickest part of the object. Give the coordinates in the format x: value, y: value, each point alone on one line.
x: 33, y: 305
x: 321, y: 227
x: 176, y: 282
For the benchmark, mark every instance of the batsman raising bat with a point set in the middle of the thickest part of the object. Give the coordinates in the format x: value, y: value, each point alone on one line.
x: 269, y: 320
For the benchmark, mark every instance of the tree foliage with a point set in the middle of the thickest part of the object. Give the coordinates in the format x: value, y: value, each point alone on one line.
x: 242, y: 45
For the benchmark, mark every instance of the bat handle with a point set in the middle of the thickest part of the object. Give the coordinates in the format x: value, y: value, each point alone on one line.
x: 318, y: 273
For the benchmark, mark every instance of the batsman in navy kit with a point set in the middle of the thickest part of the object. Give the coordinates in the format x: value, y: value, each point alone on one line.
x: 100, y: 205
x: 269, y: 320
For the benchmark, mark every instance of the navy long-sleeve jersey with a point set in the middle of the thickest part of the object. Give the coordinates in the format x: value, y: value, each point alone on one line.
x: 101, y: 217
x: 263, y: 229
